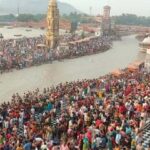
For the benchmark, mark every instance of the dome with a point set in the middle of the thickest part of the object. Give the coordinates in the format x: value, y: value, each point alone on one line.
x: 146, y: 40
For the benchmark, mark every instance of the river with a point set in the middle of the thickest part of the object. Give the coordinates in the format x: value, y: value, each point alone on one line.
x: 10, y: 32
x: 93, y: 66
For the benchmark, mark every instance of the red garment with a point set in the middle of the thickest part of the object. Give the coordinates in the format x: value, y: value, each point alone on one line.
x: 80, y: 137
x: 89, y: 136
x: 8, y: 136
x: 122, y: 109
x: 98, y: 122
x: 128, y: 91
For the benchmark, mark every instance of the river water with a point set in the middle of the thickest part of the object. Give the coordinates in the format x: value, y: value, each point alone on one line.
x: 93, y: 66
x: 10, y: 32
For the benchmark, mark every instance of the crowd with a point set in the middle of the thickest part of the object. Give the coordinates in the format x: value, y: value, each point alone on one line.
x: 21, y: 53
x: 82, y: 47
x: 104, y: 113
x: 90, y: 46
x: 69, y: 37
x: 26, y: 52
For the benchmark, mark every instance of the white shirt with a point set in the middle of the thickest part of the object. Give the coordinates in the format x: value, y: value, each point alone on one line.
x: 44, y: 147
x: 32, y: 110
x: 6, y: 124
x: 98, y: 141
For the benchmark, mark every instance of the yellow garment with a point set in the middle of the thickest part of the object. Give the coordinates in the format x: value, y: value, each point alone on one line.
x: 117, y: 148
x: 19, y: 148
x: 133, y: 143
x: 100, y: 94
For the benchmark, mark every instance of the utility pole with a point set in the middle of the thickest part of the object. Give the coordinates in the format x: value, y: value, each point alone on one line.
x: 18, y: 7
x: 90, y: 11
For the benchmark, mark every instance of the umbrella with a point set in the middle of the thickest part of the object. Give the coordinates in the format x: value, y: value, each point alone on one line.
x: 132, y: 67
x: 117, y: 72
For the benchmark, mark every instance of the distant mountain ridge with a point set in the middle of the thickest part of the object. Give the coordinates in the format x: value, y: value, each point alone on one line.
x: 32, y: 7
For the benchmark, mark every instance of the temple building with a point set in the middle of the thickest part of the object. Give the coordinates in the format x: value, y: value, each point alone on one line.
x: 145, y: 45
x: 52, y: 34
x: 105, y: 23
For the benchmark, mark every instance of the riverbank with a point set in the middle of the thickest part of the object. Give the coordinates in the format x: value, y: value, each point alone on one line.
x: 26, y: 52
x: 140, y: 37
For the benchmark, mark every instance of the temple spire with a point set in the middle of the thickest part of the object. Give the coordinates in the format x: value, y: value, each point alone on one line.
x: 52, y: 2
x: 52, y: 34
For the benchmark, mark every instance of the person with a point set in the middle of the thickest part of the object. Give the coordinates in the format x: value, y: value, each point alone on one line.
x: 118, y: 138
x: 139, y: 139
x: 139, y: 146
x: 110, y: 144
x: 117, y: 147
x: 64, y: 145
x: 19, y: 147
x: 86, y: 143
x: 27, y: 145
x: 97, y: 142
x: 44, y: 146
x: 133, y: 144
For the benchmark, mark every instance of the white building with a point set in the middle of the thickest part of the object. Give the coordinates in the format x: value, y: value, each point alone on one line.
x: 145, y: 45
x: 147, y: 62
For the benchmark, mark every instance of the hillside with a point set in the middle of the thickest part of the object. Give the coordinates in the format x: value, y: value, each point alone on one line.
x: 32, y: 6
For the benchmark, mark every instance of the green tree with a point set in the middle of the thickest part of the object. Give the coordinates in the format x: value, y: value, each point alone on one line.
x: 7, y: 18
x: 73, y: 27
x: 131, y: 19
x: 83, y: 35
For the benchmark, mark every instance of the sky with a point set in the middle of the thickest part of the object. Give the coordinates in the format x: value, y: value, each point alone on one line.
x: 138, y: 7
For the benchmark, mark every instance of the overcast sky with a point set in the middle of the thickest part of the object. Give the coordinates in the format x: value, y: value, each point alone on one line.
x: 139, y: 7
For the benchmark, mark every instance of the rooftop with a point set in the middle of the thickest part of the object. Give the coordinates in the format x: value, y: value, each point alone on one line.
x: 146, y: 40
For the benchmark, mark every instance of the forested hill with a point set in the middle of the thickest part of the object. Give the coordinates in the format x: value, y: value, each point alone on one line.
x: 32, y: 7
x: 131, y: 19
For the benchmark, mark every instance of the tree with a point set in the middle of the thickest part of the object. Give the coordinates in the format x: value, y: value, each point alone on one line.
x: 131, y: 19
x: 30, y: 17
x: 75, y: 17
x: 7, y: 18
x: 73, y: 27
x: 83, y: 35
